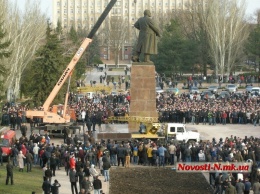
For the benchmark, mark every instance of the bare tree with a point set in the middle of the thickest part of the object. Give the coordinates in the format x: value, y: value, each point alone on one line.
x: 227, y: 32
x: 26, y: 30
x: 193, y: 28
x: 115, y: 31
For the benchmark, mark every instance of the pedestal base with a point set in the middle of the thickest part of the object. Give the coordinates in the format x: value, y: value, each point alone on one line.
x: 142, y: 92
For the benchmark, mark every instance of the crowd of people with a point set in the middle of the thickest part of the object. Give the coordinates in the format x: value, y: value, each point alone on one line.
x: 234, y: 110
x: 86, y: 160
x: 180, y: 108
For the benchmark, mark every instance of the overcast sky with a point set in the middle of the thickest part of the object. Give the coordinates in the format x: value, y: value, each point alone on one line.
x: 252, y: 6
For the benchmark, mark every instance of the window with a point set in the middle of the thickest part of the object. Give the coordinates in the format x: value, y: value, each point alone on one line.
x: 180, y: 129
x: 172, y: 129
x: 126, y: 49
x: 126, y: 57
x: 58, y: 11
x: 105, y: 57
x: 65, y: 11
x: 105, y: 49
x: 58, y: 3
x: 71, y: 11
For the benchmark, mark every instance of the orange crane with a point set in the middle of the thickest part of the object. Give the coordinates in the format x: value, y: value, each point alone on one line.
x: 52, y: 116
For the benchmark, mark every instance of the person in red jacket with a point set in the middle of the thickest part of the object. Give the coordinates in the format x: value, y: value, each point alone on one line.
x: 72, y: 162
x: 224, y: 118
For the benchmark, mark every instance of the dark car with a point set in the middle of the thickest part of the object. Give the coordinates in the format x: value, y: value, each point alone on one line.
x: 213, y: 89
x: 223, y: 95
x: 238, y: 95
x: 194, y: 89
x: 207, y: 93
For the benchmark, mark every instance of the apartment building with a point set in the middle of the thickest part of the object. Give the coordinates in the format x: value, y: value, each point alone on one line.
x: 117, y: 31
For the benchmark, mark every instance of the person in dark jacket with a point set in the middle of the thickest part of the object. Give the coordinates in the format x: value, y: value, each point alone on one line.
x: 86, y: 184
x: 86, y: 170
x: 48, y: 174
x: 46, y: 186
x: 97, y: 184
x: 106, y: 167
x: 55, y: 187
x: 29, y: 160
x: 240, y: 187
x: 230, y: 189
x: 73, y: 180
x: 24, y: 129
x: 53, y: 164
x: 9, y: 173
x: 121, y: 155
x: 247, y: 186
x: 80, y: 176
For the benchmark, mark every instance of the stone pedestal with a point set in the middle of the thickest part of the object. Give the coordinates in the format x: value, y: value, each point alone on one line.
x: 142, y: 92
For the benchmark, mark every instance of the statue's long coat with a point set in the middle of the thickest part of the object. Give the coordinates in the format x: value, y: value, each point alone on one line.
x: 147, y: 41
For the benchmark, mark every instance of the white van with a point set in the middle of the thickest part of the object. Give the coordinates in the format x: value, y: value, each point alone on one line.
x: 90, y: 95
x: 255, y: 91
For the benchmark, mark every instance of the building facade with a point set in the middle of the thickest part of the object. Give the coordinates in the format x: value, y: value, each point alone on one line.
x: 117, y: 32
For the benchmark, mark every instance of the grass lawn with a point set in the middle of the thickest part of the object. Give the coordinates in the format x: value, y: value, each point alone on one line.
x: 24, y: 183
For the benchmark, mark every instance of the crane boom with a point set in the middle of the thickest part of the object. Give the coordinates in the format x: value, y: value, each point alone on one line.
x: 52, y: 116
x: 77, y: 56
